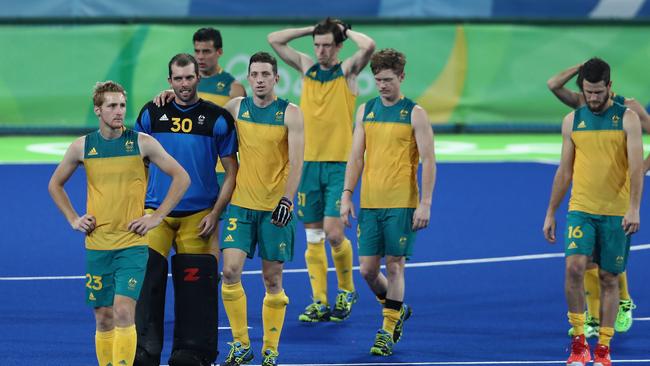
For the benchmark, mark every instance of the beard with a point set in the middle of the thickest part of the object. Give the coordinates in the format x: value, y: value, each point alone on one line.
x: 597, y: 108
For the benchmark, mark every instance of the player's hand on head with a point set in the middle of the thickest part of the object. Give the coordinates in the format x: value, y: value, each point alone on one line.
x: 165, y: 96
x: 549, y: 229
x: 86, y: 223
x: 282, y: 213
x: 208, y: 224
x: 421, y: 217
x: 145, y: 223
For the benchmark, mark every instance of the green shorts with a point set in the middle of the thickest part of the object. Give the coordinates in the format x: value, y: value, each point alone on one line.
x: 599, y: 236
x: 244, y: 228
x: 319, y: 192
x: 114, y: 272
x: 386, y: 231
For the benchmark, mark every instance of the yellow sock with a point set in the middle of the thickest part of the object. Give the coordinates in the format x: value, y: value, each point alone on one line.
x: 273, y: 310
x: 391, y: 316
x: 577, y: 321
x: 623, y: 292
x: 605, y: 336
x: 234, y: 301
x: 104, y: 347
x: 342, y: 256
x: 316, y: 260
x: 592, y: 292
x: 126, y: 339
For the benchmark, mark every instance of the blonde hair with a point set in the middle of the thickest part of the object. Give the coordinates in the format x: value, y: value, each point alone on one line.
x: 102, y: 87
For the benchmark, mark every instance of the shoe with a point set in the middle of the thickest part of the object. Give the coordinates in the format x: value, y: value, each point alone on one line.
x: 404, y: 314
x: 238, y: 355
x: 601, y: 356
x: 383, y: 344
x: 592, y: 327
x: 624, y: 316
x: 316, y: 312
x: 270, y: 358
x: 343, y: 308
x: 580, y: 354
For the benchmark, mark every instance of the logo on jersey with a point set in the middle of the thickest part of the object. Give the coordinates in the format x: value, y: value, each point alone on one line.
x: 371, y: 115
x: 229, y: 238
x: 164, y: 118
x: 132, y: 283
x: 403, y: 114
x: 615, y: 120
x: 220, y: 86
x: 402, y: 241
x: 572, y: 245
x: 92, y: 152
x: 246, y: 114
x: 582, y: 124
x: 279, y: 116
x: 312, y: 74
x: 128, y: 145
x: 201, y: 119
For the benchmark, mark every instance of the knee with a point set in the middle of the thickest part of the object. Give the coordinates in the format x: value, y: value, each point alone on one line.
x: 231, y: 273
x: 608, y: 281
x: 273, y: 283
x: 123, y: 314
x: 334, y: 237
x: 395, y: 269
x: 104, y: 319
x: 575, y: 271
x: 368, y: 272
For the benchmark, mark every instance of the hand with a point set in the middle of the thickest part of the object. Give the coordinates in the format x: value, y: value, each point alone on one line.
x: 347, y: 209
x: 344, y: 27
x: 421, y: 216
x: 208, y: 224
x: 282, y: 213
x: 549, y: 229
x: 631, y: 222
x: 142, y: 225
x: 165, y: 96
x: 86, y: 223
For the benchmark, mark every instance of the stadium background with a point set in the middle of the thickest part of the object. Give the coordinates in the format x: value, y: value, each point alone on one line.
x: 477, y: 66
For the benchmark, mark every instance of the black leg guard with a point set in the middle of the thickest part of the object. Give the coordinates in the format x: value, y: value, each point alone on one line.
x: 196, y: 297
x: 150, y: 312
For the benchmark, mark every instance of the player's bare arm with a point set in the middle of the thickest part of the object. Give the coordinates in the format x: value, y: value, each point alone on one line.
x: 632, y: 127
x: 557, y: 85
x: 353, y: 65
x: 279, y: 41
x: 233, y: 106
x: 151, y: 150
x: 353, y: 168
x: 562, y: 179
x: 644, y: 118
x: 210, y: 221
x: 424, y: 140
x: 237, y: 90
x: 71, y: 160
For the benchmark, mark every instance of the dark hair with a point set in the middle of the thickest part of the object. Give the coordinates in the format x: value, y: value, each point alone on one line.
x: 182, y: 60
x: 388, y: 58
x: 264, y: 57
x: 208, y: 34
x: 594, y: 71
x: 329, y: 25
x: 103, y: 87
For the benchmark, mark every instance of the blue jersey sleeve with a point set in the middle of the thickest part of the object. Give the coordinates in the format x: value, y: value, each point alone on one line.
x: 226, y: 135
x: 143, y: 123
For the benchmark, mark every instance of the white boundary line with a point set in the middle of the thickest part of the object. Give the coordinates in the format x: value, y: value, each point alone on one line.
x: 356, y: 268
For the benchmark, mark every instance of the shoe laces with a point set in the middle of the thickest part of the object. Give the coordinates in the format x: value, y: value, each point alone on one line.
x: 578, y: 345
x: 270, y: 356
x: 314, y: 307
x: 342, y: 300
x: 601, y: 351
x: 382, y: 339
x: 627, y: 305
x: 237, y: 351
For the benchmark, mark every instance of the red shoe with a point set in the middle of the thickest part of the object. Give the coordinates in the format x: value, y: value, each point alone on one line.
x: 601, y: 356
x: 580, y: 354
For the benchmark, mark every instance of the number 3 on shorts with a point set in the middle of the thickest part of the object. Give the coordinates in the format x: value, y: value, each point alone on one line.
x: 232, y: 224
x: 94, y: 282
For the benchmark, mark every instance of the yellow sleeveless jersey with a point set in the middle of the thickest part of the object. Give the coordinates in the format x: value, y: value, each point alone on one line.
x: 389, y: 177
x: 117, y: 185
x: 263, y: 155
x: 327, y: 104
x: 601, y: 182
x: 216, y: 89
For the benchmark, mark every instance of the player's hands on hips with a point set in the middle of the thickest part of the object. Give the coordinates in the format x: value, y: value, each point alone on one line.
x: 86, y: 223
x: 631, y: 221
x: 165, y: 96
x: 142, y: 225
x: 347, y: 209
x: 208, y: 224
x: 421, y: 216
x: 549, y: 229
x: 282, y: 213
